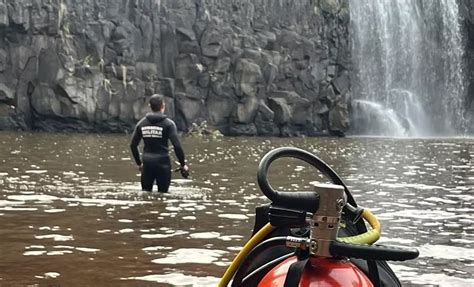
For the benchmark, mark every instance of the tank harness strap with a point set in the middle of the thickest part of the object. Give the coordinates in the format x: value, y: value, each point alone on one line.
x: 295, y: 271
x: 373, y: 273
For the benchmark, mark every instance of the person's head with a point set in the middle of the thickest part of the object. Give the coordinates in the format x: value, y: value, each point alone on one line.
x: 157, y: 103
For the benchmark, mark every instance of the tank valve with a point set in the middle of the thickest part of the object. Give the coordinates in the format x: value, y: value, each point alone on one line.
x: 325, y: 224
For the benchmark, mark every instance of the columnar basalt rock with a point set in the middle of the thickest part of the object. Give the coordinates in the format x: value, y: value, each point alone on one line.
x: 248, y: 67
x: 467, y: 11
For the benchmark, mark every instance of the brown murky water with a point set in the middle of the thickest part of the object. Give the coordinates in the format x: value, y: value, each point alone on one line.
x: 72, y: 213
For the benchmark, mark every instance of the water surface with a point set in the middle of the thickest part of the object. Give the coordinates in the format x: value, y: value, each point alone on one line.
x: 72, y: 213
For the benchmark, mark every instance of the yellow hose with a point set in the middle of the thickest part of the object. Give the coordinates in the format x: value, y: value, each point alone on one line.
x: 259, y: 236
x: 369, y: 238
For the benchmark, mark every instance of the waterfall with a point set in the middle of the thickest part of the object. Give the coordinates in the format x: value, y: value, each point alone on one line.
x: 408, y: 77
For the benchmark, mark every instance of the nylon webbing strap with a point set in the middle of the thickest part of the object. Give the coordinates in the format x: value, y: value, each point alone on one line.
x: 294, y: 273
x: 373, y: 273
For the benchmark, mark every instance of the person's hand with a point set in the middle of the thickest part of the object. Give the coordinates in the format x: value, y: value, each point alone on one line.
x: 184, y: 169
x: 140, y: 168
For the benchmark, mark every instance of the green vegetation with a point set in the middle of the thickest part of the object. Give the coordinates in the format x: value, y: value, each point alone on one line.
x: 202, y: 130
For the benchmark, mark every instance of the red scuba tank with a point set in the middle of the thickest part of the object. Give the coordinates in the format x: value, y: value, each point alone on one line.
x: 319, y: 272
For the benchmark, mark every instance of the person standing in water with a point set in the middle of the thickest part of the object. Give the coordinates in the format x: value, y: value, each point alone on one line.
x: 156, y: 129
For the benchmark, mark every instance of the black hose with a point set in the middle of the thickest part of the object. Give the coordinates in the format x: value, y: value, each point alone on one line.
x: 372, y: 252
x: 252, y: 255
x: 296, y: 198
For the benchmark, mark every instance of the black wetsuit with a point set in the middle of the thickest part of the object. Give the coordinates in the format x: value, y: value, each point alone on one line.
x: 156, y: 129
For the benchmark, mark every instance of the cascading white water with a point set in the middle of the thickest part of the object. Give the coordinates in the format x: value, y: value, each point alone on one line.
x: 408, y: 63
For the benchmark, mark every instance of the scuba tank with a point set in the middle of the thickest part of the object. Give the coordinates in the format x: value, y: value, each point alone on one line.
x: 313, y: 238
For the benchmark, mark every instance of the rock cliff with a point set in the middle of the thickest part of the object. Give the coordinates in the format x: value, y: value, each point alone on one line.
x: 467, y: 11
x: 247, y: 67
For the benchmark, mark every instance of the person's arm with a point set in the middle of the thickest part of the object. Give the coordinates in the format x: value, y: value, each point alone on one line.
x: 173, y: 136
x: 136, y: 137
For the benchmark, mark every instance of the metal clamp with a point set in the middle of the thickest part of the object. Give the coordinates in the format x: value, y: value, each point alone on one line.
x: 325, y: 222
x: 297, y: 242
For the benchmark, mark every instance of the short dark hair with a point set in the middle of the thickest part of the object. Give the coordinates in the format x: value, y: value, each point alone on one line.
x: 156, y: 102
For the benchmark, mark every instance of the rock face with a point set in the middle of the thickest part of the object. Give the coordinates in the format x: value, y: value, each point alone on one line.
x: 247, y: 67
x: 467, y: 11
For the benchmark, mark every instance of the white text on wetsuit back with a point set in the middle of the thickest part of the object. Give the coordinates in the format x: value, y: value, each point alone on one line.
x: 152, y: 132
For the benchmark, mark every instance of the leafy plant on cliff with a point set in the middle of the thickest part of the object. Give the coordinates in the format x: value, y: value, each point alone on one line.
x: 124, y: 75
x: 108, y: 87
x: 87, y: 61
x: 203, y: 130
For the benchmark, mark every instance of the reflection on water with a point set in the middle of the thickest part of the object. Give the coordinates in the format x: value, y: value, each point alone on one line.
x: 72, y: 213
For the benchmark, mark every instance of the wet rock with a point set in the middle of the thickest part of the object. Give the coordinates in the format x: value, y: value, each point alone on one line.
x: 281, y: 110
x: 248, y: 76
x: 329, y: 6
x: 219, y: 108
x: 8, y: 121
x: 339, y: 117
x: 328, y: 95
x: 264, y: 121
x: 4, y: 14
x: 221, y: 66
x: 3, y: 60
x: 166, y: 87
x: 266, y: 40
x: 25, y: 89
x: 169, y: 48
x: 188, y: 110
x: 266, y: 113
x: 188, y: 70
x: 289, y: 39
x: 243, y: 129
x: 212, y: 39
x: 246, y: 110
x: 6, y: 94
x: 19, y: 14
x: 189, y: 47
x: 252, y: 55
x: 342, y: 83
x: 466, y: 8
x: 302, y: 113
x: 243, y: 68
x: 146, y: 71
x: 269, y: 73
x: 331, y: 71
x: 45, y: 102
x: 49, y: 66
